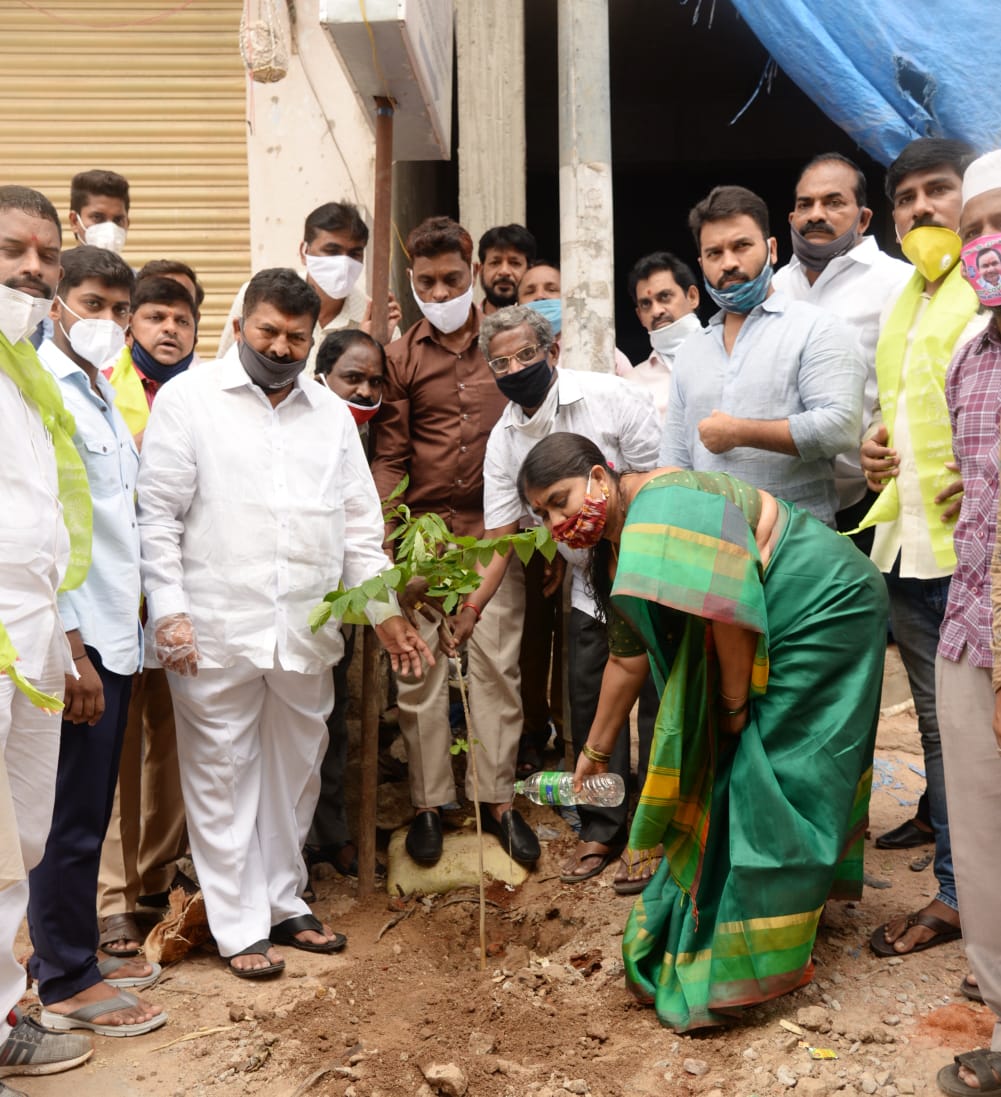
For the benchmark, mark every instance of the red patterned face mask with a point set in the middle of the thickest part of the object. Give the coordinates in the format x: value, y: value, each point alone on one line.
x: 583, y: 529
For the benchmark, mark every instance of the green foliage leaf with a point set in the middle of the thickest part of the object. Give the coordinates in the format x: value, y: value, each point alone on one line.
x: 450, y: 602
x: 400, y: 488
x: 525, y: 549
x: 374, y: 587
x: 319, y: 615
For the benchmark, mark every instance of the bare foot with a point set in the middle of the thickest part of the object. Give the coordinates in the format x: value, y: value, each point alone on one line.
x: 904, y: 939
x: 101, y: 992
x: 254, y: 960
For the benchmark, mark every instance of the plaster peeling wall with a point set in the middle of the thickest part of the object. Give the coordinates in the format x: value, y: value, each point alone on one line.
x: 307, y: 143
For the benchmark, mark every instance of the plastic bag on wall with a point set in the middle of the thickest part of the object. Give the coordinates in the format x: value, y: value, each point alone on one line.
x: 264, y: 41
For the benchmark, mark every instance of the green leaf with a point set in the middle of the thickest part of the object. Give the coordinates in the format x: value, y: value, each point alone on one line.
x: 319, y: 615
x: 392, y: 578
x: 548, y: 550
x: 400, y: 488
x: 450, y: 602
x: 374, y: 587
x: 524, y: 549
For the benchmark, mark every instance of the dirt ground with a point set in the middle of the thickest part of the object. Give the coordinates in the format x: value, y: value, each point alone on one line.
x: 551, y: 1016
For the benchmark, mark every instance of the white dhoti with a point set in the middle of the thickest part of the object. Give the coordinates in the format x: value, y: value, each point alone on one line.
x: 250, y: 743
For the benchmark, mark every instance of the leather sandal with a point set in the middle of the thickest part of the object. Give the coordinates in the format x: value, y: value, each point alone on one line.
x: 944, y: 933
x: 985, y: 1064
x: 258, y: 948
x: 285, y: 934
x: 596, y: 859
x: 120, y: 927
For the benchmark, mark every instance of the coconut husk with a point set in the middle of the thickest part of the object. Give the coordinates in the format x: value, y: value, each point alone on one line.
x: 185, y: 926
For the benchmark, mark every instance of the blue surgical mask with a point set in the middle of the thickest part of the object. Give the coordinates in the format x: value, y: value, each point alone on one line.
x: 552, y: 309
x: 741, y: 297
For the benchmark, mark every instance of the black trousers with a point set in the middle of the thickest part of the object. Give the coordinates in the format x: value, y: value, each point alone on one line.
x: 62, y: 902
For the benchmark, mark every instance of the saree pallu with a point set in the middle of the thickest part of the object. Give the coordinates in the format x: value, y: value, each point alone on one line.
x: 760, y: 828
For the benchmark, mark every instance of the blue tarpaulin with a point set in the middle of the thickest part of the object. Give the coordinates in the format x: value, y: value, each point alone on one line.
x: 887, y: 71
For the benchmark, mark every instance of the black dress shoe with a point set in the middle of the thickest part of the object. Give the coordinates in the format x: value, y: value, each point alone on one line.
x: 515, y: 835
x: 907, y: 836
x: 424, y: 838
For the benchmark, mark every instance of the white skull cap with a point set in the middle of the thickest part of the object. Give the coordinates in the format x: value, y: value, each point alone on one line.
x: 982, y: 175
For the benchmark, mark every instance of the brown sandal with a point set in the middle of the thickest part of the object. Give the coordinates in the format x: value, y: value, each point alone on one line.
x: 120, y: 927
x: 637, y: 867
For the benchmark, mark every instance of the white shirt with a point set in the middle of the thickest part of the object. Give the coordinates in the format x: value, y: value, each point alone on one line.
x: 653, y: 375
x: 250, y: 514
x: 34, y: 543
x: 105, y: 607
x: 857, y: 287
x: 619, y: 419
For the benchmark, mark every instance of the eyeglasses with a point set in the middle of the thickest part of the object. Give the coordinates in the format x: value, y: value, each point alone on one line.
x: 525, y: 356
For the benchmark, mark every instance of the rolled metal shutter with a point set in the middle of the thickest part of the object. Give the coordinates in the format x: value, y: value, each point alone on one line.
x: 153, y: 89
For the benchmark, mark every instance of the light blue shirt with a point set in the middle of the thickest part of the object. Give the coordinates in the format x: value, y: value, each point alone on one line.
x: 105, y: 607
x: 791, y: 361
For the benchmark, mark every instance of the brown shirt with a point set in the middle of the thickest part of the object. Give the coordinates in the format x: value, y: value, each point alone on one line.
x: 438, y: 409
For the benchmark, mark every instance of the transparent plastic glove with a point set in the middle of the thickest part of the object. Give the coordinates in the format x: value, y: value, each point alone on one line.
x: 174, y: 644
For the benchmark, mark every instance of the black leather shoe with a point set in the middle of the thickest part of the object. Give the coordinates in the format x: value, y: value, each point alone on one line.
x: 907, y: 836
x: 424, y: 838
x: 515, y: 835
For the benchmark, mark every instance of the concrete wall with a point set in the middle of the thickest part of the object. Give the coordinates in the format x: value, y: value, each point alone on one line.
x: 308, y: 142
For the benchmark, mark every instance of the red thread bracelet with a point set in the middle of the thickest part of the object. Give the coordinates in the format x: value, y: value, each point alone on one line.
x: 475, y: 609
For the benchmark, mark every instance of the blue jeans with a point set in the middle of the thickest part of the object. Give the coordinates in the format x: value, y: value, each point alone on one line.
x: 917, y: 607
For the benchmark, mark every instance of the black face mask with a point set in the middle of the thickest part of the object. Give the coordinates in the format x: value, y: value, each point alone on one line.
x: 265, y: 372
x: 528, y: 386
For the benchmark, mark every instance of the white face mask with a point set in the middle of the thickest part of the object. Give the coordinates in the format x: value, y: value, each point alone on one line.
x: 107, y: 235
x: 95, y: 341
x: 334, y: 274
x: 20, y: 313
x: 666, y: 340
x: 446, y: 316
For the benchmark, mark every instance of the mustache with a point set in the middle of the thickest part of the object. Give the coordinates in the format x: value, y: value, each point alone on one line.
x: 731, y: 276
x: 926, y: 219
x: 818, y: 226
x: 279, y: 359
x: 27, y: 282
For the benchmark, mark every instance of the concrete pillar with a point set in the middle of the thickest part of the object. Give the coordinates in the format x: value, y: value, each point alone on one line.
x: 490, y: 58
x: 588, y: 337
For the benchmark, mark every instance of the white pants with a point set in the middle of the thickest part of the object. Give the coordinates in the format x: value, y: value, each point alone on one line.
x: 249, y: 743
x: 29, y: 741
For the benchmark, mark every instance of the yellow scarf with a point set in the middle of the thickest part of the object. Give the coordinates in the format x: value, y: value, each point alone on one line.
x: 130, y: 396
x: 20, y: 362
x: 951, y: 308
x: 8, y: 657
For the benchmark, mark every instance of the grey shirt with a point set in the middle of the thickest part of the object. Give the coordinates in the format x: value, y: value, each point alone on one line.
x: 790, y: 361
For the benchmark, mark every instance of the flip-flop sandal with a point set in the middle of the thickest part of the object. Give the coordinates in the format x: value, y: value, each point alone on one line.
x: 985, y: 1064
x: 285, y: 934
x: 108, y: 967
x: 120, y: 927
x: 944, y: 933
x: 258, y: 948
x: 648, y: 861
x: 82, y: 1017
x: 603, y: 860
x: 970, y: 990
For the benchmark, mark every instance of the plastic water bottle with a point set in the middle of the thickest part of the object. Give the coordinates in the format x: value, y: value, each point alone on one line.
x: 555, y: 787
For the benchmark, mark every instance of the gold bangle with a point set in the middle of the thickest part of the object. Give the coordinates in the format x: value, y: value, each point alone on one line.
x: 595, y: 755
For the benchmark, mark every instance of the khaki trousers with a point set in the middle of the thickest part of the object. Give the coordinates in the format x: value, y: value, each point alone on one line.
x: 494, y: 685
x: 146, y: 834
x: 965, y: 701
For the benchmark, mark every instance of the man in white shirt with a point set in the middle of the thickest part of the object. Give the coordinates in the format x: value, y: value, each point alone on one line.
x: 101, y: 620
x: 836, y: 267
x: 332, y: 251
x: 664, y: 292
x: 37, y: 557
x: 255, y: 499
x: 904, y: 457
x: 518, y: 345
x: 770, y: 390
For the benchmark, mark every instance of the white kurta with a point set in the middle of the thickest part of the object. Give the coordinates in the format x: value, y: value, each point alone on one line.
x: 248, y: 515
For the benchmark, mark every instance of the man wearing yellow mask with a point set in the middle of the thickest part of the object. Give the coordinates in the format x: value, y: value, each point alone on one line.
x: 907, y: 457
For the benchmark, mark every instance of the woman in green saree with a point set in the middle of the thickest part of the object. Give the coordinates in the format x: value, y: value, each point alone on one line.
x: 765, y: 633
